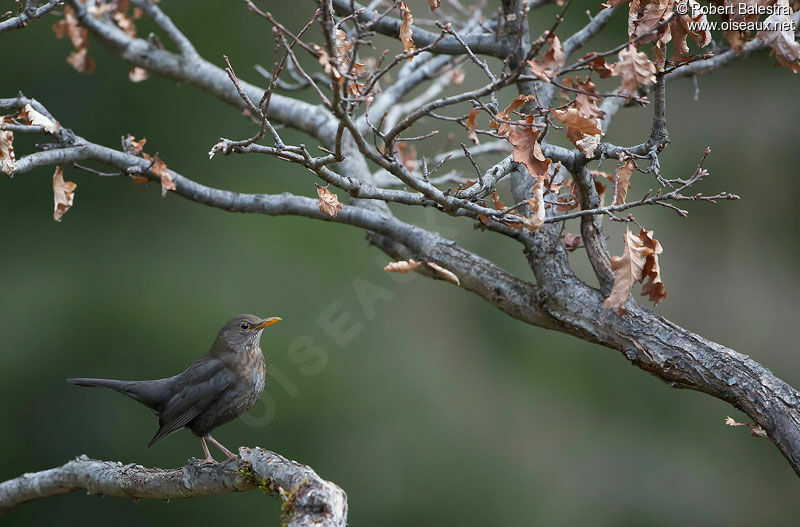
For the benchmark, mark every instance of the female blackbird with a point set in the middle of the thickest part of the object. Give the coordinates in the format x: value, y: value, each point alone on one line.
x: 219, y: 387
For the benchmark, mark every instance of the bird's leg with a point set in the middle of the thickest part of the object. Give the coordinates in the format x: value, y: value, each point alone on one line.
x: 231, y: 455
x: 208, y: 459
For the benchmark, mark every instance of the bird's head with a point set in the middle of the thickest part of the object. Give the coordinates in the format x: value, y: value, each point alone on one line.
x: 243, y: 332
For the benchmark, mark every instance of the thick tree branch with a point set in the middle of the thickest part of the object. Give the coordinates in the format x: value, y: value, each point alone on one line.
x: 308, y: 499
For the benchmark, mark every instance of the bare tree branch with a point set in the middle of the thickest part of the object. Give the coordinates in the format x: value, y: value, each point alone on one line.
x: 27, y: 15
x: 308, y: 499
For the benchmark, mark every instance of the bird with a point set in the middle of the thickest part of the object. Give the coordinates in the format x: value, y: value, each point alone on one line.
x: 217, y: 388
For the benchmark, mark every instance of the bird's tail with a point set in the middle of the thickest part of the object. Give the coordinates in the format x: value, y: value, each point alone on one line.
x: 150, y: 393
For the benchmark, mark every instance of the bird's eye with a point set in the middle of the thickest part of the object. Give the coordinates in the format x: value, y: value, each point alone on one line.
x: 244, y: 325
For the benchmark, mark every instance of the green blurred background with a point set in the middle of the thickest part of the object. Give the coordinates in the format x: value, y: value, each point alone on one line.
x: 439, y: 410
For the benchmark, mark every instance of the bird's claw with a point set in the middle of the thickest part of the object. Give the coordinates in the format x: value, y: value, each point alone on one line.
x: 207, y: 461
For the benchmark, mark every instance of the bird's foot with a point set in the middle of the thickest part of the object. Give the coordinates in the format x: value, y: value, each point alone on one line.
x: 207, y: 461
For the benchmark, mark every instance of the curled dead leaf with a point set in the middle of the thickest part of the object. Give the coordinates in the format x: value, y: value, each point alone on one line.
x: 598, y: 65
x: 528, y: 151
x: 137, y: 74
x: 755, y: 430
x: 7, y: 160
x: 132, y: 146
x: 328, y: 202
x: 79, y: 36
x: 635, y: 69
x: 403, y: 266
x: 536, y: 203
x: 444, y: 273
x: 497, y: 202
x: 63, y: 194
x: 782, y: 39
x: 406, y: 34
x: 32, y: 117
x: 638, y: 262
x: 159, y: 169
x: 622, y: 181
x: 472, y: 125
x: 651, y: 272
x: 627, y: 270
x: 551, y: 62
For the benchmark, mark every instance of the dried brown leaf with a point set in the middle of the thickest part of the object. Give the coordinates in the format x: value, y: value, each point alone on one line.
x: 7, y: 160
x: 132, y: 146
x: 755, y: 430
x: 472, y: 125
x: 444, y: 273
x: 528, y: 151
x: 635, y: 69
x: 406, y: 36
x: 497, y: 202
x: 328, y: 202
x: 81, y: 61
x: 63, y: 194
x: 536, y: 203
x: 598, y: 65
x: 32, y: 117
x: 404, y: 266
x: 137, y: 74
x: 573, y: 118
x: 79, y: 36
x: 653, y: 287
x: 433, y: 4
x: 622, y: 181
x: 628, y: 269
x: 782, y: 40
x: 159, y: 168
x: 551, y: 62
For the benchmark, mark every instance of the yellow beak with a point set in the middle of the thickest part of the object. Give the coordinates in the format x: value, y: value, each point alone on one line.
x: 267, y: 322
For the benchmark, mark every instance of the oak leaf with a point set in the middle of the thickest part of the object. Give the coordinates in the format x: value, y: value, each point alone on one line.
x: 472, y: 125
x: 63, y: 194
x: 7, y: 160
x: 32, y: 117
x: 528, y: 151
x: 79, y: 36
x: 627, y: 270
x: 573, y: 118
x: 434, y: 4
x: 328, y: 202
x: 551, y: 62
x: 132, y: 146
x: 598, y: 64
x: 404, y: 266
x: 782, y: 40
x: 622, y: 181
x: 582, y: 130
x: 653, y: 288
x: 159, y: 169
x: 503, y: 129
x: 406, y: 34
x: 635, y: 69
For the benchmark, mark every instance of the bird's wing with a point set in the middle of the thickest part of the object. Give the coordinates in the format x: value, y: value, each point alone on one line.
x: 200, y: 385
